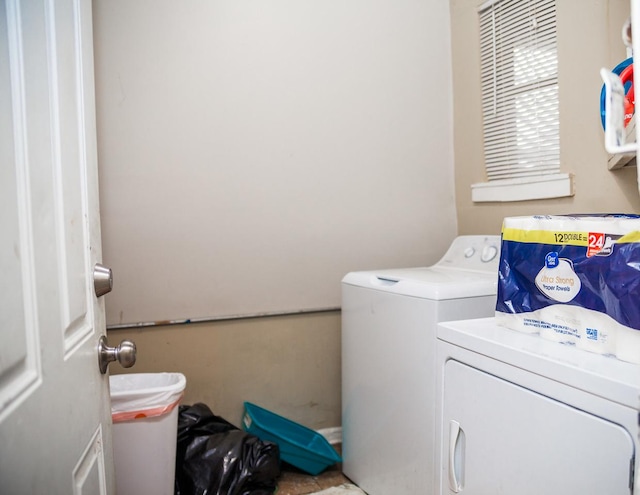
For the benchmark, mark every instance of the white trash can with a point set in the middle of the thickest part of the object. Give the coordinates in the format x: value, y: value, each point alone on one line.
x: 144, y: 409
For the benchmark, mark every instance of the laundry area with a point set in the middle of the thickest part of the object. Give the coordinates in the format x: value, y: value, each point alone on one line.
x: 485, y: 372
x: 379, y: 247
x: 389, y: 322
x: 484, y: 355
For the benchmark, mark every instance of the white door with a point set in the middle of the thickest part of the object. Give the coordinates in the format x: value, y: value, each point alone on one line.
x: 501, y: 438
x: 55, y: 435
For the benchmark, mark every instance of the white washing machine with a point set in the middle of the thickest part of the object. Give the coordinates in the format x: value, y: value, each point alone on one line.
x: 526, y: 416
x: 389, y: 320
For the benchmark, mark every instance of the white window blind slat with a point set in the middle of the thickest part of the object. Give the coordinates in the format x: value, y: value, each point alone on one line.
x: 514, y: 100
x: 494, y: 141
x: 522, y: 170
x: 519, y: 83
x: 517, y: 27
x: 542, y: 162
x: 513, y: 174
x: 504, y: 127
x: 497, y: 149
x: 550, y: 158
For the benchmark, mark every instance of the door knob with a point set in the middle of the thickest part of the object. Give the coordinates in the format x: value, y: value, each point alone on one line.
x: 125, y: 354
x: 102, y: 279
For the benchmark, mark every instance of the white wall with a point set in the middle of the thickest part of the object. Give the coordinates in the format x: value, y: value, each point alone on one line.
x: 253, y: 152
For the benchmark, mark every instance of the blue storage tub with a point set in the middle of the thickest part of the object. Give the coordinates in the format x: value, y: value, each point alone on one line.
x: 299, y: 446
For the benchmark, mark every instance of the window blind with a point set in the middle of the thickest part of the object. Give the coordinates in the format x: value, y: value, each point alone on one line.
x: 519, y: 76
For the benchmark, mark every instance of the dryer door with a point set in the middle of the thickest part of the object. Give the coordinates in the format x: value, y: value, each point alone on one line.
x: 503, y: 438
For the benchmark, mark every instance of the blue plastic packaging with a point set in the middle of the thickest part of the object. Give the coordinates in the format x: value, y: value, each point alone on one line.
x: 299, y: 446
x: 573, y: 279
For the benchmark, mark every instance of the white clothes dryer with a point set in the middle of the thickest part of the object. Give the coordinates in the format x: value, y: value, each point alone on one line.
x: 389, y: 320
x: 522, y: 415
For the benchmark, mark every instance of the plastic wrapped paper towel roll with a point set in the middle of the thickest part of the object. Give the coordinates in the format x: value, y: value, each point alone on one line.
x: 574, y: 279
x: 528, y: 323
x: 598, y: 332
x: 628, y: 344
x: 560, y: 323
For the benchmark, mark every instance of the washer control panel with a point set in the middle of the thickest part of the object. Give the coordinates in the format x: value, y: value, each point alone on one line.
x: 489, y: 252
x: 473, y: 252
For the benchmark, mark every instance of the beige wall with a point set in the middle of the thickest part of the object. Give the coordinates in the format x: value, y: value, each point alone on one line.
x: 248, y: 148
x: 588, y: 39
x: 214, y: 118
x: 288, y: 364
x: 292, y: 364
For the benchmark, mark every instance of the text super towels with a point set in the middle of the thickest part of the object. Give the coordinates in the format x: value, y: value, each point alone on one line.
x: 573, y: 279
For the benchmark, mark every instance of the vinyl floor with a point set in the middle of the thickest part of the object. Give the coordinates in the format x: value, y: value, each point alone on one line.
x: 293, y: 481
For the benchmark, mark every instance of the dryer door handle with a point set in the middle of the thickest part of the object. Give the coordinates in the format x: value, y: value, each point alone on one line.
x: 456, y: 456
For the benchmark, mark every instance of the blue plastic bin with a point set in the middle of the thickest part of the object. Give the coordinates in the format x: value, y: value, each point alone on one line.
x: 299, y: 446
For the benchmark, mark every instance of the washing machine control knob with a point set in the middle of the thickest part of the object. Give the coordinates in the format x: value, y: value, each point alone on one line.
x: 488, y: 253
x: 469, y: 252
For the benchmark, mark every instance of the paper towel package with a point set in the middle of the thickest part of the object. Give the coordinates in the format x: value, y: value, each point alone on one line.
x: 573, y: 279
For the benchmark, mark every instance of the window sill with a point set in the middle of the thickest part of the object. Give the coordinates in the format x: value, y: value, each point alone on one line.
x: 529, y: 188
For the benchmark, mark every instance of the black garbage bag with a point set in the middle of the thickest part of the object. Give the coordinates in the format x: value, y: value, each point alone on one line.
x: 214, y: 457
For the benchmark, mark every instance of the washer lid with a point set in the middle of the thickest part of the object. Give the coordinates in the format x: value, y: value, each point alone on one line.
x: 435, y: 282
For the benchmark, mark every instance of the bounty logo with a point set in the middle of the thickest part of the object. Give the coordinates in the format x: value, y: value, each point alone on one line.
x: 557, y: 280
